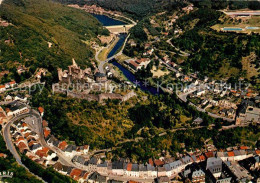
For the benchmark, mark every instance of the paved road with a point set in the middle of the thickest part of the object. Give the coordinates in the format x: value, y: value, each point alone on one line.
x: 39, y: 129
x: 185, y: 54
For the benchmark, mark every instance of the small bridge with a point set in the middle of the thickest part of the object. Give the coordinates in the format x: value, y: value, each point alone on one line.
x: 116, y: 29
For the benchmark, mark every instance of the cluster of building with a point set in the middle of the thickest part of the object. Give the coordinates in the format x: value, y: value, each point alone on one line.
x: 16, y: 108
x: 95, y: 9
x: 211, y: 166
x: 6, y: 86
x: 218, y: 94
x: 28, y: 142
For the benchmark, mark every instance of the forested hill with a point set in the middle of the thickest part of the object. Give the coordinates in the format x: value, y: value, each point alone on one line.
x: 135, y: 8
x: 141, y: 8
x: 34, y: 23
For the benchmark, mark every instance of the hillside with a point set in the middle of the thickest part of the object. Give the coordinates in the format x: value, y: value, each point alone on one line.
x: 45, y: 34
x: 217, y: 54
x: 135, y: 8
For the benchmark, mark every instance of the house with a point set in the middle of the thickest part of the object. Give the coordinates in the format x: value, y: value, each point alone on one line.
x: 63, y: 145
x: 97, y: 178
x: 46, y: 131
x: 41, y: 110
x: 100, y: 77
x: 176, y: 166
x: 143, y: 171
x: 16, y: 109
x: 186, y: 160
x: 222, y: 155
x: 2, y: 155
x: 118, y: 168
x: 61, y: 168
x: 83, y: 176
x: 158, y: 162
x: 35, y: 147
x: 134, y: 65
x: 197, y: 121
x: 44, y: 123
x: 20, y: 69
x: 143, y: 62
x: 231, y: 156
x: 70, y: 150
x: 214, y: 165
x: 2, y: 88
x: 204, y: 102
x: 151, y: 171
x: 198, y: 176
x: 102, y: 167
x: 78, y: 159
x: 161, y: 171
x: 132, y: 170
x: 75, y: 173
x: 22, y: 147
x: 20, y: 98
x: 200, y: 92
x: 168, y: 170
x: 163, y: 179
x: 52, y: 141
x: 8, y: 98
x: 178, y: 74
x: 83, y: 149
x: 42, y: 153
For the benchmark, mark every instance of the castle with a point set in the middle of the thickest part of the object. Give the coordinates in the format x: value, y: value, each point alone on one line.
x: 75, y: 74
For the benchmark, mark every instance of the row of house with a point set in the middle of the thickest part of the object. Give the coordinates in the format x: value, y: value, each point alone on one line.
x: 27, y: 141
x: 160, y: 168
x: 7, y: 85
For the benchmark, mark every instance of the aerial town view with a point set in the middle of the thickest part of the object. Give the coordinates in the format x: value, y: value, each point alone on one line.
x: 136, y: 91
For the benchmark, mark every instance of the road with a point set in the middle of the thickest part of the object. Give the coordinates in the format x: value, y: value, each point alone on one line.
x: 185, y: 54
x: 102, y: 63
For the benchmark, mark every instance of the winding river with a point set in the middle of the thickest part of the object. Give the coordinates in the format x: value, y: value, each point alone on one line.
x: 107, y: 21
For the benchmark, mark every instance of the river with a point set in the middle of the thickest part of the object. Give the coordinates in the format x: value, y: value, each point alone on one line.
x: 106, y: 21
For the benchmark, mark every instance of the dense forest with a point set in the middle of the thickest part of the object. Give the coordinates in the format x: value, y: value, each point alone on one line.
x: 141, y: 8
x: 135, y: 8
x: 37, y: 23
x: 176, y: 142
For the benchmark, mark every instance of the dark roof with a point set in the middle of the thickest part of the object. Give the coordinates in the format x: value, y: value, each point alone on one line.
x: 142, y: 167
x: 97, y: 177
x: 35, y: 146
x: 99, y: 74
x: 79, y: 159
x: 69, y: 169
x: 93, y: 160
x: 70, y: 148
x: 15, y: 106
x: 118, y: 165
x: 135, y: 167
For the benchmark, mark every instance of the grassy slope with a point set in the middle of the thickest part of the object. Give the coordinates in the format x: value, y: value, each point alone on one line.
x: 39, y: 21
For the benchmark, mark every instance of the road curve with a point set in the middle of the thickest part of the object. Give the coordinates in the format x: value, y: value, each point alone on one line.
x: 102, y: 63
